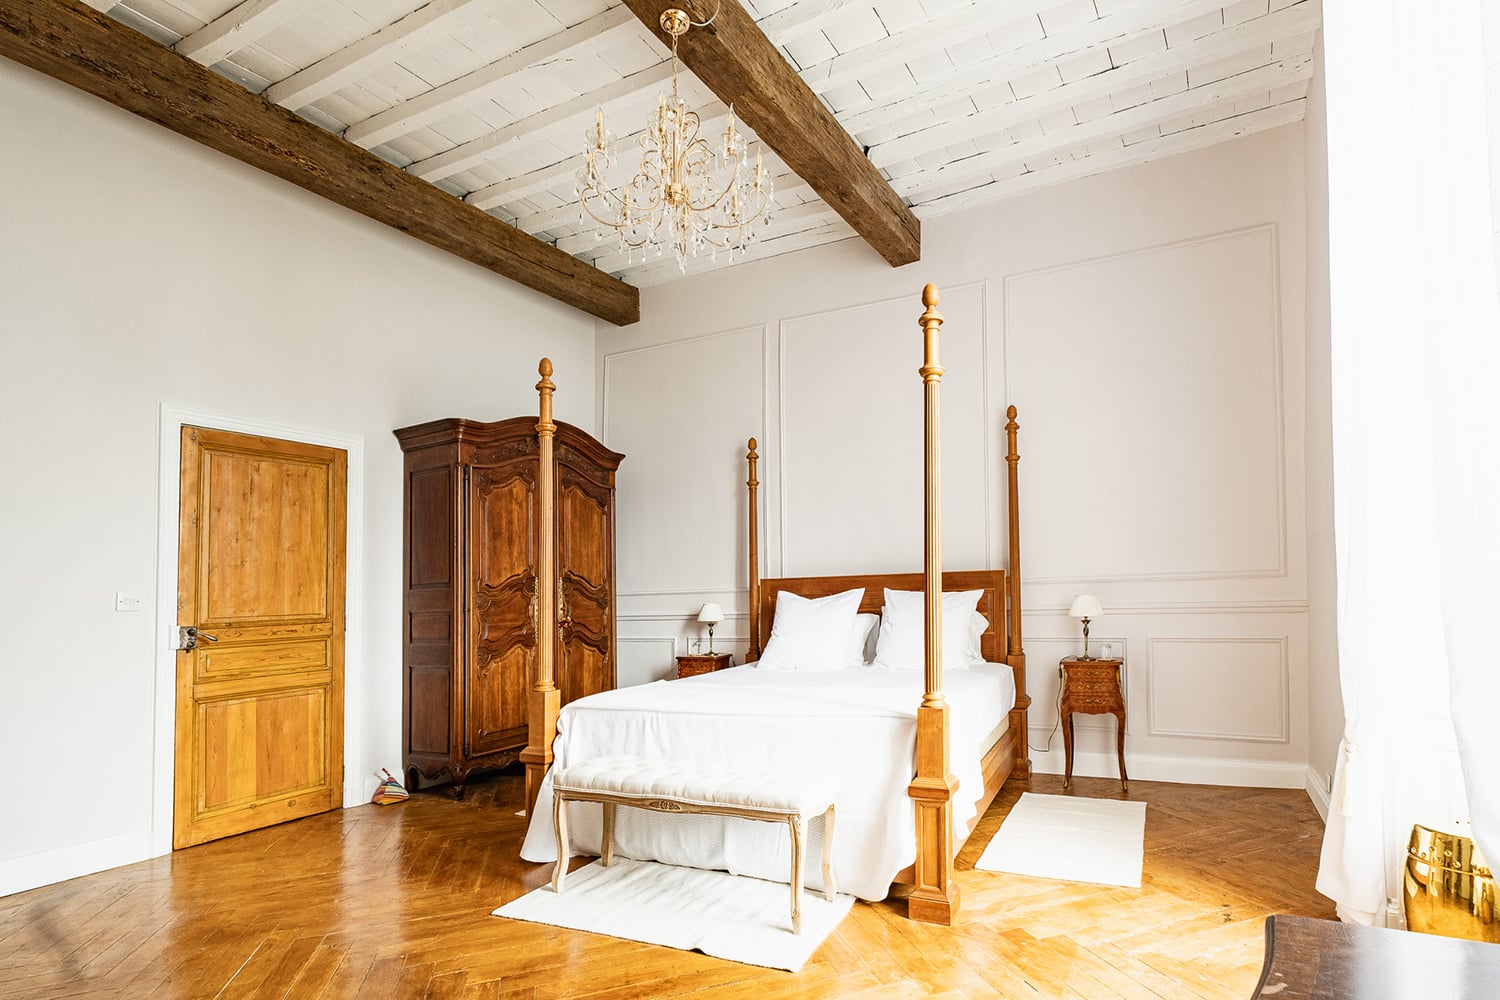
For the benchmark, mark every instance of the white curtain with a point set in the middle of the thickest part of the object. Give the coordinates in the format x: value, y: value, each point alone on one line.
x: 1416, y: 436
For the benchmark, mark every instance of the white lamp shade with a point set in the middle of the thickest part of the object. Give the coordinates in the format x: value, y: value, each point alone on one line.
x: 710, y: 614
x: 1085, y: 606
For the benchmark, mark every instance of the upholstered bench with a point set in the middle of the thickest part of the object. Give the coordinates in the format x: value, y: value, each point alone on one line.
x: 679, y: 787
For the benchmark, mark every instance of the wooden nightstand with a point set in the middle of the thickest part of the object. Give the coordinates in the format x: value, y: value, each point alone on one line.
x: 1093, y: 687
x: 702, y: 663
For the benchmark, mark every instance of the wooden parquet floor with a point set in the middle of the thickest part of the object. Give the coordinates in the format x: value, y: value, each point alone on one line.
x: 394, y: 902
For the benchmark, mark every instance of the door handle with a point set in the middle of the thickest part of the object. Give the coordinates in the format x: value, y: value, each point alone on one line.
x: 188, y: 636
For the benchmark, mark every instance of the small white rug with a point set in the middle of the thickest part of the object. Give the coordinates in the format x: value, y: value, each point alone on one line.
x: 728, y: 916
x: 1076, y: 840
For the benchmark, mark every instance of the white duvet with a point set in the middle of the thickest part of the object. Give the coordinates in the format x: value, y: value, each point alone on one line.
x: 856, y: 726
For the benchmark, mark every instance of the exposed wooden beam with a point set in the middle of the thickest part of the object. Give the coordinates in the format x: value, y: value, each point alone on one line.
x: 736, y: 61
x: 75, y: 44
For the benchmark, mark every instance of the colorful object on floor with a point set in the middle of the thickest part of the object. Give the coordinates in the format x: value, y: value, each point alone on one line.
x: 390, y: 790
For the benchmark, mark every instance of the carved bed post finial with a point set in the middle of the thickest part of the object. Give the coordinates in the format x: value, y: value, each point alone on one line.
x: 754, y: 487
x: 934, y: 896
x: 544, y: 702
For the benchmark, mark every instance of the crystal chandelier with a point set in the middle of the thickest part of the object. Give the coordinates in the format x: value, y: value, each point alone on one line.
x: 686, y: 195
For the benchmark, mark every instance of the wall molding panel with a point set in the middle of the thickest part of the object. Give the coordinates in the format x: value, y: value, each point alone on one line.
x: 683, y: 479
x: 1152, y: 387
x: 835, y: 373
x: 1195, y: 680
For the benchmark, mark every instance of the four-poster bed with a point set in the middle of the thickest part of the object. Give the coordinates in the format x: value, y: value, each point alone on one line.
x: 861, y: 725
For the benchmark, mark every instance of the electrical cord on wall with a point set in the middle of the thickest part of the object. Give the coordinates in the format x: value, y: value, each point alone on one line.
x: 1057, y: 721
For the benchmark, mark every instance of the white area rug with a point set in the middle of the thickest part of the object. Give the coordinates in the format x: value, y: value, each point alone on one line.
x: 1076, y: 840
x: 742, y: 919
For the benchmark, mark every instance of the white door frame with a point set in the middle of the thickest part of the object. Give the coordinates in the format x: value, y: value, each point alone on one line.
x: 168, y: 499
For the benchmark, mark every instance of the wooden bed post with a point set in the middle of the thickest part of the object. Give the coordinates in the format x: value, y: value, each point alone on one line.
x: 542, y: 706
x: 934, y: 896
x: 1015, y: 655
x: 754, y: 486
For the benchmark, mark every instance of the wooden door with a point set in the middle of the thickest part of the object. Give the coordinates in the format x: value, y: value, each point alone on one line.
x: 501, y: 547
x: 585, y: 566
x: 260, y: 711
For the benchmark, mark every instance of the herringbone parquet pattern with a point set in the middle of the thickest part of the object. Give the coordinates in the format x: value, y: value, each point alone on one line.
x: 395, y: 902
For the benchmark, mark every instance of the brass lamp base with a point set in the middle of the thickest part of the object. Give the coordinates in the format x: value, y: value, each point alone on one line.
x: 1447, y: 889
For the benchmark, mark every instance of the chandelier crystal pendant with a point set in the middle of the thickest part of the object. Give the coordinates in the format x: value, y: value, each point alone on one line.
x: 686, y: 195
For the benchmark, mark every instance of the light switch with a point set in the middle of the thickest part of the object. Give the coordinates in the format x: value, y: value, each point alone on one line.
x: 126, y: 602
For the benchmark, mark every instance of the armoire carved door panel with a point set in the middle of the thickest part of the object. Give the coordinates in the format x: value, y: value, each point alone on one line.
x: 586, y: 572
x: 502, y: 580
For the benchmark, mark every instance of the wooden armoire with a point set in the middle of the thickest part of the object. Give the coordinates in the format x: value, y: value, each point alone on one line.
x: 472, y: 542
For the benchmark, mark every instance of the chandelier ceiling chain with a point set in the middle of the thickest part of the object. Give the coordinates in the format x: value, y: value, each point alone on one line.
x: 685, y: 194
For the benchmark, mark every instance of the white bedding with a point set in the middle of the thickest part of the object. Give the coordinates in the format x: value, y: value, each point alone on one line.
x: 857, y: 726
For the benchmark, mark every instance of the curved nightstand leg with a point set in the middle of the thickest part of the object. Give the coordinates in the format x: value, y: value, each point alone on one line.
x: 1120, y: 749
x: 1067, y: 728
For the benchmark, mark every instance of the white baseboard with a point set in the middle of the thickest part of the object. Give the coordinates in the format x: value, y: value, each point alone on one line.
x: 1182, y: 770
x: 1317, y: 790
x: 32, y: 871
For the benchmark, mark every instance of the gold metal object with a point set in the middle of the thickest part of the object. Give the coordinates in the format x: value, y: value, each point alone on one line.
x: 1447, y: 888
x: 686, y: 195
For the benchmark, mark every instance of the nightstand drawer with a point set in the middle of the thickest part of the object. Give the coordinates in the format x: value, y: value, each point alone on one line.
x: 702, y: 663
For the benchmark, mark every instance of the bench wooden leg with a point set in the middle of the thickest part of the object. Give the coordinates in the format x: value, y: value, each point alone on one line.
x: 829, y: 889
x: 560, y: 822
x: 607, y: 845
x: 799, y: 831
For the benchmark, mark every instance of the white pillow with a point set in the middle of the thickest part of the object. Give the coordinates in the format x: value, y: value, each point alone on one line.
x: 861, y: 647
x: 900, y: 645
x: 973, y: 645
x: 811, y: 634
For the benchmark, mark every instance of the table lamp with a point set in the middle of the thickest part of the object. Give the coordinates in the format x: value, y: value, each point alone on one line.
x: 711, y: 615
x: 1085, y: 606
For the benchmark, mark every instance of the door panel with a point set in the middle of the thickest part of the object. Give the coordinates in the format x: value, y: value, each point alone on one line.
x: 502, y: 582
x: 260, y: 711
x: 585, y: 662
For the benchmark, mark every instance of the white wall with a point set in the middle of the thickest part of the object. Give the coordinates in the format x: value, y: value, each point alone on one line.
x: 138, y: 269
x: 1149, y: 325
x: 1325, y: 701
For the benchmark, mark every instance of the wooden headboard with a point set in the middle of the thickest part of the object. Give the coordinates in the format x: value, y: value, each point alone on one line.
x: 991, y: 601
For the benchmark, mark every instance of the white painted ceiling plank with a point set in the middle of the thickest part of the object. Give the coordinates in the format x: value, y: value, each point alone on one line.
x: 915, y: 43
x: 437, y: 103
x: 487, y: 147
x: 359, y: 59
x: 1203, y: 51
x: 1014, y: 156
x: 1141, y: 152
x: 1128, y: 21
x: 240, y: 27
x: 791, y: 23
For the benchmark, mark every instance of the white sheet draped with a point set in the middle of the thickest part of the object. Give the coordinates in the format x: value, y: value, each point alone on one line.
x: 1416, y: 437
x: 857, y: 727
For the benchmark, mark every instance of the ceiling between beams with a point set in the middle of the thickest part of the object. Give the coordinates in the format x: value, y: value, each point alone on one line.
x: 957, y: 102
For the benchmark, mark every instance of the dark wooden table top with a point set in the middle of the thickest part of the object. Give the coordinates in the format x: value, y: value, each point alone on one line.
x: 1309, y: 959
